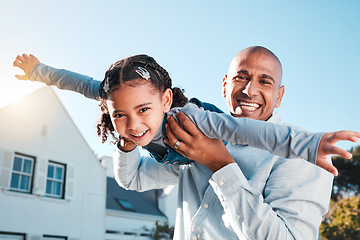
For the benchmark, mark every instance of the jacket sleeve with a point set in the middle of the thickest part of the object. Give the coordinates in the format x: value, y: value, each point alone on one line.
x: 141, y: 173
x: 287, y: 208
x: 281, y: 140
x: 66, y: 80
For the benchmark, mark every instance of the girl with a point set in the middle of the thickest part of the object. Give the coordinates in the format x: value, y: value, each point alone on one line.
x: 136, y: 95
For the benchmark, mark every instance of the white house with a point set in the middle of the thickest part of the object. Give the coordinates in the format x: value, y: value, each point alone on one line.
x: 52, y: 186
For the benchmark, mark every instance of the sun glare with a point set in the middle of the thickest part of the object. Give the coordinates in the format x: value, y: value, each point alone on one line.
x: 14, y: 89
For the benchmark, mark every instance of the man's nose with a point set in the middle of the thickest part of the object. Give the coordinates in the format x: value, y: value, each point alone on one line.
x: 250, y: 89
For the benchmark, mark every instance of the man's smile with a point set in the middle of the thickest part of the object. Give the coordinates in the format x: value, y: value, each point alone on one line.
x: 246, y: 107
x: 249, y: 106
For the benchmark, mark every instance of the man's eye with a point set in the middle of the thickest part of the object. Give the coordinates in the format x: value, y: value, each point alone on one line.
x: 264, y: 82
x: 238, y: 78
x: 144, y: 109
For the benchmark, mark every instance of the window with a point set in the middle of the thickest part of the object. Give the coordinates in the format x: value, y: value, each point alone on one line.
x: 22, y: 173
x: 55, y: 180
x: 51, y: 237
x: 11, y: 236
x: 126, y: 205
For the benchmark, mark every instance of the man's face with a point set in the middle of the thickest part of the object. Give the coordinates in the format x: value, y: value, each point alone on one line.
x: 252, y: 85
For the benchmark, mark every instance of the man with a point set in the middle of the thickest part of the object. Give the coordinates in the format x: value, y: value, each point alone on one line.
x: 262, y: 196
x: 232, y: 191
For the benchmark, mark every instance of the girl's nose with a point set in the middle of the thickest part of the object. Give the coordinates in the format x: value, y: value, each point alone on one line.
x: 132, y: 123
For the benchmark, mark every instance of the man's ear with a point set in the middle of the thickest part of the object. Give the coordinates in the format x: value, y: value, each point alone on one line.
x: 223, y: 85
x: 167, y: 99
x: 280, y: 96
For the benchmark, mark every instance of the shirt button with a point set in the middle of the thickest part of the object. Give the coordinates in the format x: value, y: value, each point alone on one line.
x: 194, y: 238
x: 221, y: 182
x: 238, y: 216
x: 206, y: 206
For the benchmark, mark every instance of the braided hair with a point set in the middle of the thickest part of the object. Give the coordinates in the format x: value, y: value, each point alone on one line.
x: 125, y: 71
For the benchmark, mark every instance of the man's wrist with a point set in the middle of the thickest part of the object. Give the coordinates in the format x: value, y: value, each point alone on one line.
x: 218, y: 165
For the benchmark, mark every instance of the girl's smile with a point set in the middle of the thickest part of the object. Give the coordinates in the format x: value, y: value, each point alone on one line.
x: 137, y: 110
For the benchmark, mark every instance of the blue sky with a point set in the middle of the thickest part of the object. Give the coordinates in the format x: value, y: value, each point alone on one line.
x: 316, y: 41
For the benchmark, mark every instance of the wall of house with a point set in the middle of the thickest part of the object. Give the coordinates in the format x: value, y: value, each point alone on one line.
x: 40, y: 127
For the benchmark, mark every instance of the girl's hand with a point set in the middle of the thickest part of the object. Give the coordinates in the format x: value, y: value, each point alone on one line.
x: 126, y: 145
x: 194, y: 145
x: 26, y: 63
x: 327, y: 147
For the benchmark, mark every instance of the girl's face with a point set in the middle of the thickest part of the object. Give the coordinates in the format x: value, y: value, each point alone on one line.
x: 137, y: 110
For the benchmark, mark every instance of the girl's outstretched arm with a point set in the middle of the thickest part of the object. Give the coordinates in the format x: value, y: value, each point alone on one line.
x: 291, y: 143
x: 61, y: 78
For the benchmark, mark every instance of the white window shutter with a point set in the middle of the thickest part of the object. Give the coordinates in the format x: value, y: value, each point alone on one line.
x: 41, y: 168
x: 6, y: 164
x: 70, y: 182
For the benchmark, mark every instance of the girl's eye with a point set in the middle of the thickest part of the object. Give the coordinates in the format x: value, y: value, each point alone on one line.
x: 119, y: 115
x: 144, y: 109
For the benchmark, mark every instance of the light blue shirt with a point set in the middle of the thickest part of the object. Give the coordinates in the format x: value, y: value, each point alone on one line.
x: 261, y: 196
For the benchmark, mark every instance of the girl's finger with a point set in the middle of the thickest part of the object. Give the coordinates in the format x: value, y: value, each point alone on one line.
x: 345, y: 136
x: 16, y: 63
x: 20, y: 58
x: 21, y: 77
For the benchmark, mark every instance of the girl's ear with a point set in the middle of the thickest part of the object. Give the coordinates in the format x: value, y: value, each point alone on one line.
x: 167, y: 99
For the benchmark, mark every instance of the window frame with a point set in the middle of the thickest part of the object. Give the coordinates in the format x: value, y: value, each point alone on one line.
x: 21, y: 173
x: 23, y: 235
x: 55, y: 180
x: 54, y: 236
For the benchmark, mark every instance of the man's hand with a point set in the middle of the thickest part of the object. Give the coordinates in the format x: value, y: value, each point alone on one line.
x: 26, y: 63
x: 327, y: 147
x: 194, y: 145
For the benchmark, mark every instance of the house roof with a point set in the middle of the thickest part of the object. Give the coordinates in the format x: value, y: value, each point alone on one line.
x: 120, y: 199
x: 34, y: 102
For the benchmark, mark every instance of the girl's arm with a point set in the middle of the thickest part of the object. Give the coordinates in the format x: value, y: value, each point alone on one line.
x: 61, y: 78
x: 141, y: 173
x: 282, y: 140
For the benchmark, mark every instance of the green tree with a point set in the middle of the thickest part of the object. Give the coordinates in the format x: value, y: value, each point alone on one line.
x: 163, y: 231
x: 348, y: 181
x: 343, y: 220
